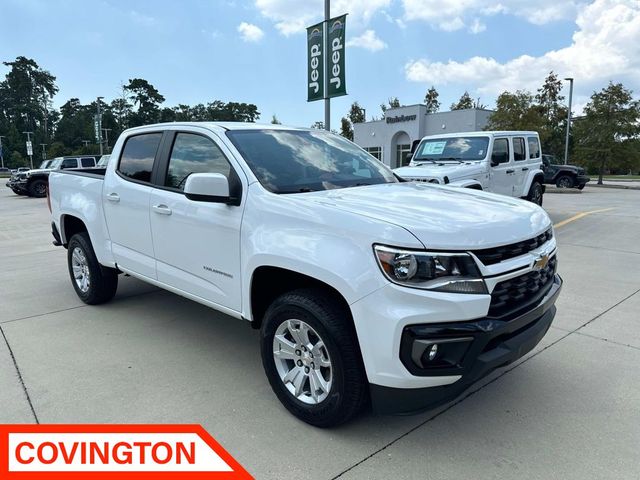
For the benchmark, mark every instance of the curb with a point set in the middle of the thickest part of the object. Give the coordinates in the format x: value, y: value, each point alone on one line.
x: 619, y: 187
x: 564, y: 191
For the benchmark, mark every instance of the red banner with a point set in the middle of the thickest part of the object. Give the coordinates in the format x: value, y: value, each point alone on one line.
x: 113, y: 451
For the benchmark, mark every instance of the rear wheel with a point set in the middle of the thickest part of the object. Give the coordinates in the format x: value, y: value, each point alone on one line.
x: 564, y: 181
x: 92, y: 282
x: 535, y: 193
x: 38, y: 188
x: 311, y: 357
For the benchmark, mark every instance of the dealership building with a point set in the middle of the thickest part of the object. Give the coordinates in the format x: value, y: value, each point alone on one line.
x: 390, y: 139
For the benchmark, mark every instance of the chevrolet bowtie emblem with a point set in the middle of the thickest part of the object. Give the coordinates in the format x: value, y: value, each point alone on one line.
x: 541, y: 262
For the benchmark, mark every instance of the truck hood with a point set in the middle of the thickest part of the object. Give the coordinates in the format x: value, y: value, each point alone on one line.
x: 39, y: 170
x: 440, y: 170
x: 441, y: 217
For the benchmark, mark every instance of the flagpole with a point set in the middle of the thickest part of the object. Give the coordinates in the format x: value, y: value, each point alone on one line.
x: 327, y: 100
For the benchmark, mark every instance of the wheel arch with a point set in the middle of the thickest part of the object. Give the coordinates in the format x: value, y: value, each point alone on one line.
x: 70, y: 225
x: 269, y: 282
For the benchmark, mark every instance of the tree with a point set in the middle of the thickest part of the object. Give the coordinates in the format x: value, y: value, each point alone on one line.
x: 318, y: 125
x: 465, y: 102
x: 607, y: 134
x: 515, y: 111
x: 553, y: 113
x: 356, y: 113
x: 393, y: 102
x: 431, y: 100
x: 274, y: 120
x: 346, y: 130
x: 147, y: 98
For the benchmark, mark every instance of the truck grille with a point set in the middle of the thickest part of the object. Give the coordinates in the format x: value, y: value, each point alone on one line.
x: 520, y: 292
x: 490, y: 256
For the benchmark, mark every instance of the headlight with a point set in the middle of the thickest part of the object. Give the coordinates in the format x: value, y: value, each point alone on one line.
x: 443, y: 272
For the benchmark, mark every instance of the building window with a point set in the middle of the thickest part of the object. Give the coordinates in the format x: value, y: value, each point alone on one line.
x: 402, y: 154
x: 375, y: 152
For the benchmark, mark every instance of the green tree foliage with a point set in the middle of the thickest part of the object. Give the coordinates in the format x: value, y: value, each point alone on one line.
x: 346, y: 130
x: 275, y: 121
x: 431, y: 100
x: 607, y: 136
x: 515, y: 111
x: 465, y: 102
x: 393, y: 102
x: 25, y: 105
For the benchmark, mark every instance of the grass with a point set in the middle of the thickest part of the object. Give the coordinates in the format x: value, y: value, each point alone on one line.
x: 621, y: 177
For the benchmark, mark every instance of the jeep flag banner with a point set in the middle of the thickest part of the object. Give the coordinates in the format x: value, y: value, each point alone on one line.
x: 336, y: 78
x: 113, y: 451
x: 315, y: 49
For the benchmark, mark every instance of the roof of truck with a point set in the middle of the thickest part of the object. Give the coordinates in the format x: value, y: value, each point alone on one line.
x: 495, y: 133
x: 220, y: 126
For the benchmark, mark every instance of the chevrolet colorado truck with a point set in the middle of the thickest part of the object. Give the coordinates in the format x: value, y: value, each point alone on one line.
x: 506, y: 162
x: 364, y: 287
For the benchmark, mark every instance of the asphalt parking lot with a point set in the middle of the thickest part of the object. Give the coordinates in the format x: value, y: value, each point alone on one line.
x: 570, y: 409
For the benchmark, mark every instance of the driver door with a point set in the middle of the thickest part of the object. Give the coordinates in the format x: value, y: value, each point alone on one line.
x: 196, y: 244
x: 502, y: 169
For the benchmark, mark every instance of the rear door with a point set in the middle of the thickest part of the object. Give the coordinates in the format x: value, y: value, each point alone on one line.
x: 520, y: 165
x: 502, y: 169
x: 126, y: 204
x: 197, y: 244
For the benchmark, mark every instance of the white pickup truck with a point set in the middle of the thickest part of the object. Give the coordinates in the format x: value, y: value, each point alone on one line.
x: 363, y: 286
x: 509, y: 163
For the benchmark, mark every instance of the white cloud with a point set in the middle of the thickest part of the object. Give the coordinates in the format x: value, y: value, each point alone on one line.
x: 477, y: 27
x: 368, y: 40
x: 293, y: 16
x: 604, y: 47
x: 452, y: 15
x: 250, y: 32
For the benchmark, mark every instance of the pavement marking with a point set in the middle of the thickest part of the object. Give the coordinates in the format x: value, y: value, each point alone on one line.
x: 24, y: 387
x: 578, y: 216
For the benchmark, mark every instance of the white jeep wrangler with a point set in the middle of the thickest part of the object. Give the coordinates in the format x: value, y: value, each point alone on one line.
x: 508, y: 163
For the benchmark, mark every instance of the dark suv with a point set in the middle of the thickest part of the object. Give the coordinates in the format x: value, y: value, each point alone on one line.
x: 563, y: 176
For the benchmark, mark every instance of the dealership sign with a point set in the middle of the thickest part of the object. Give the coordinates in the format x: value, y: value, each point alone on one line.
x: 130, y: 451
x: 401, y: 118
x: 326, y: 53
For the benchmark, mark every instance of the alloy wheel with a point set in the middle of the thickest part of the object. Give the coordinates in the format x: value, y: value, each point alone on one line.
x: 80, y: 268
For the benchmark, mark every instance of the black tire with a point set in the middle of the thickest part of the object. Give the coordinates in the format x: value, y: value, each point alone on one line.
x: 103, y: 281
x: 38, y: 188
x: 581, y: 187
x: 333, y: 325
x: 565, y: 181
x: 19, y: 192
x: 535, y: 193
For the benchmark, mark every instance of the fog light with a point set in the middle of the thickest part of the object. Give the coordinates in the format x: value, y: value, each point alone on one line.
x: 433, y: 351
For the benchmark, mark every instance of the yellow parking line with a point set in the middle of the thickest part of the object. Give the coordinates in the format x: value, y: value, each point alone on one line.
x: 578, y: 216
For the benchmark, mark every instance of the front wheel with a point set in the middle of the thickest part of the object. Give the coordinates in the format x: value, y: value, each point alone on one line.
x: 564, y: 181
x: 38, y: 188
x: 311, y: 358
x: 581, y: 187
x: 535, y: 193
x: 92, y: 282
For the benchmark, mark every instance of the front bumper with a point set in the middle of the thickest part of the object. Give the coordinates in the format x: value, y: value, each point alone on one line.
x: 493, y: 343
x: 582, y: 180
x: 17, y: 185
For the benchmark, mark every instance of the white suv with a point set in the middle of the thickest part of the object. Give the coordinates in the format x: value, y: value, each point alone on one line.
x: 509, y: 163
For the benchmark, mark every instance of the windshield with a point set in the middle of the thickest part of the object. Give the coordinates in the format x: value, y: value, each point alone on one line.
x: 45, y: 164
x: 55, y: 163
x: 452, y: 148
x: 294, y: 161
x: 104, y: 160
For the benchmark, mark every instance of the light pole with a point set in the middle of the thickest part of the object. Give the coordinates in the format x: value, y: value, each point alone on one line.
x: 106, y: 138
x: 29, y: 148
x: 566, y: 143
x: 1, y: 154
x: 327, y: 100
x: 99, y: 129
x: 44, y: 151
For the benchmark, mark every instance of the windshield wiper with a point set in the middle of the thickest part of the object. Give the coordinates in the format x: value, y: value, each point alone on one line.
x: 456, y: 159
x: 300, y: 190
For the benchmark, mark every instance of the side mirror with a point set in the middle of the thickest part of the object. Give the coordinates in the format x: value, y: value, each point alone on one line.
x: 207, y: 187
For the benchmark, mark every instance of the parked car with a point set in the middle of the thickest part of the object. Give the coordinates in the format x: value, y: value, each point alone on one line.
x: 508, y: 163
x: 104, y: 161
x: 34, y: 182
x: 362, y: 285
x: 4, y: 170
x: 563, y: 176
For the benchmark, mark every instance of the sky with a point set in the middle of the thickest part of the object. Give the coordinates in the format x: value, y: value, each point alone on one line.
x: 196, y: 51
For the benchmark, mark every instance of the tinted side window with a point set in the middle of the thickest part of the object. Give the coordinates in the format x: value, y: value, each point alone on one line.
x: 137, y: 157
x: 194, y: 154
x: 534, y: 147
x: 519, y: 152
x: 500, y: 152
x: 69, y: 163
x: 88, y: 162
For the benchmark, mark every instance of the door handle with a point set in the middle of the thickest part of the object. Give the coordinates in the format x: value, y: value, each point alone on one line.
x: 524, y: 169
x: 162, y: 209
x: 113, y: 197
x: 510, y: 171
